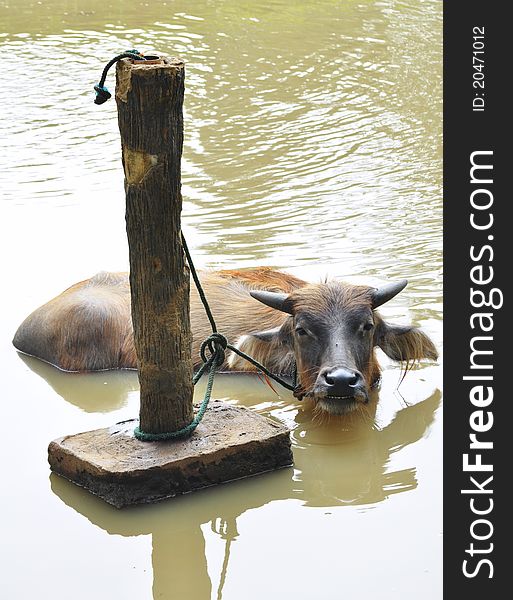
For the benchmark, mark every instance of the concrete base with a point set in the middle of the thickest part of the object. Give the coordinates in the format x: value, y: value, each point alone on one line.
x: 230, y: 443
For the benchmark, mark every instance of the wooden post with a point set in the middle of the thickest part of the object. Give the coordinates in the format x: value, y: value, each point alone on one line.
x: 150, y: 100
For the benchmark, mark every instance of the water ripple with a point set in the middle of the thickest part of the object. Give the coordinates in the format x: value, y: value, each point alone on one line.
x: 303, y: 141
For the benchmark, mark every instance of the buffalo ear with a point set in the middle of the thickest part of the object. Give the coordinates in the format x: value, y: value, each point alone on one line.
x: 269, y: 335
x: 271, y: 347
x: 277, y: 335
x: 405, y: 343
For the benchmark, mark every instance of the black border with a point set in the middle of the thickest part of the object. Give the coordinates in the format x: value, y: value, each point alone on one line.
x: 466, y: 131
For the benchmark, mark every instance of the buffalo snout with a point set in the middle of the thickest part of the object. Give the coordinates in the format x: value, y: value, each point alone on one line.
x: 339, y: 384
x: 340, y: 381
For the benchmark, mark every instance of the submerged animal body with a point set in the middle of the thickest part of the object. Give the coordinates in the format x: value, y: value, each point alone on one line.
x: 328, y: 331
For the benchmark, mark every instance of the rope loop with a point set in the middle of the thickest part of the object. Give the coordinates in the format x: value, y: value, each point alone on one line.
x: 216, y: 345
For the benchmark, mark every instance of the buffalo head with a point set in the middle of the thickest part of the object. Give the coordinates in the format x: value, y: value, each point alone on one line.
x: 331, y: 332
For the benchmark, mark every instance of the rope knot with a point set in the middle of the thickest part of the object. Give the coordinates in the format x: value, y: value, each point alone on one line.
x: 216, y: 345
x: 102, y: 94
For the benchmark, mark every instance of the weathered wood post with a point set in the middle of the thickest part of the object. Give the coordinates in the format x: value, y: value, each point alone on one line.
x: 150, y: 99
x: 230, y: 442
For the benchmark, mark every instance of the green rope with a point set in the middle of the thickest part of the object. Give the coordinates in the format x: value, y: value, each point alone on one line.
x: 215, y: 345
x: 212, y: 364
x: 102, y: 93
x: 206, y: 306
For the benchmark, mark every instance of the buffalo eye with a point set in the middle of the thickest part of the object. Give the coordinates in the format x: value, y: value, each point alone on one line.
x: 300, y: 331
x: 368, y: 326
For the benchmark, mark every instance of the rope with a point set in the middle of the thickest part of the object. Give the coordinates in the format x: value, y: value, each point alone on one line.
x: 102, y: 93
x: 206, y: 306
x: 215, y: 345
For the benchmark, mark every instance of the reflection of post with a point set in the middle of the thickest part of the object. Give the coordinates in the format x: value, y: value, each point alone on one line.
x: 150, y: 100
x: 228, y: 531
x: 180, y: 563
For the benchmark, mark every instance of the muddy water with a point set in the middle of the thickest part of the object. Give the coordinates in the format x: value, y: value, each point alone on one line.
x: 313, y: 144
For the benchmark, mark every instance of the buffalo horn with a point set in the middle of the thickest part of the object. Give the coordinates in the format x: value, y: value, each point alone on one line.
x: 272, y: 299
x: 387, y: 292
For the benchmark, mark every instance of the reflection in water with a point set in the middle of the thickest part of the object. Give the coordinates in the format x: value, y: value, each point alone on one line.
x: 356, y: 473
x: 227, y: 530
x: 179, y: 561
x: 351, y: 467
x: 104, y: 391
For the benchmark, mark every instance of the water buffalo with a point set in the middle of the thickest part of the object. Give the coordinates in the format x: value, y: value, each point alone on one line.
x: 329, y: 330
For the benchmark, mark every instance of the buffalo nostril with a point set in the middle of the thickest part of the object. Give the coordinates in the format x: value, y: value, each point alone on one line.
x: 352, y: 380
x: 341, y: 381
